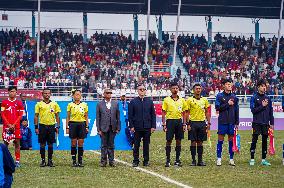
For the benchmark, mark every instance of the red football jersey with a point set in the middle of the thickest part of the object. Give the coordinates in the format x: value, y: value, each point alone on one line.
x: 11, y: 111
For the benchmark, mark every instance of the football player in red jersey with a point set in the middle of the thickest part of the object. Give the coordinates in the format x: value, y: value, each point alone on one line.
x: 12, y: 112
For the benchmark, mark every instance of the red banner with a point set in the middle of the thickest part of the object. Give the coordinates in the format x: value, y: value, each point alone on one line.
x: 158, y: 74
x: 158, y: 108
x: 31, y: 94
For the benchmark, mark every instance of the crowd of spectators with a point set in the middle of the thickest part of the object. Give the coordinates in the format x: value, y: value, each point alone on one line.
x: 117, y: 61
x: 239, y: 58
x: 106, y: 60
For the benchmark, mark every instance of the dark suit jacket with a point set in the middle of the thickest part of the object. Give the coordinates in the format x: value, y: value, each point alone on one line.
x: 102, y: 122
x: 141, y: 114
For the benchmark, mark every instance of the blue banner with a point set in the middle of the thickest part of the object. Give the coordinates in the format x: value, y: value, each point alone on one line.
x: 92, y: 142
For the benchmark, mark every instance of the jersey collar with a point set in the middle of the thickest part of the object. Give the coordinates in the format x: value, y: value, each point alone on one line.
x: 174, y: 99
x: 11, y: 100
x: 47, y: 102
x: 197, y: 98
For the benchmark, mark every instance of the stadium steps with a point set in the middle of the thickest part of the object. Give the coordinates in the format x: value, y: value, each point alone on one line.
x: 179, y: 64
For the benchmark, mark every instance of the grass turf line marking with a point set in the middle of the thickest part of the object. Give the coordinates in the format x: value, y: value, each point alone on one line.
x: 149, y: 172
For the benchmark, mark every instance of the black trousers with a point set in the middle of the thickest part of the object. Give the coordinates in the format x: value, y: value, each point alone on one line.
x: 145, y: 134
x: 107, y: 146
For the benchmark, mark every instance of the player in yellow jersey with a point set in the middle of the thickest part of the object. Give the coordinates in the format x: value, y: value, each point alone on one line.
x: 46, y: 122
x: 198, y: 109
x: 174, y: 122
x: 77, y: 126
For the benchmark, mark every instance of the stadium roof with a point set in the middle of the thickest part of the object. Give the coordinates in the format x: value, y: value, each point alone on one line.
x: 229, y: 8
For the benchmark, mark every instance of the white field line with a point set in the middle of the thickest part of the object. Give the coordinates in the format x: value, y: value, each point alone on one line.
x: 149, y: 172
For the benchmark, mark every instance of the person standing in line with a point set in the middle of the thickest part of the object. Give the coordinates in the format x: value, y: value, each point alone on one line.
x: 12, y: 113
x: 142, y: 121
x: 108, y: 125
x: 263, y: 119
x: 198, y: 109
x: 46, y: 123
x: 174, y: 122
x: 77, y: 126
x: 227, y: 105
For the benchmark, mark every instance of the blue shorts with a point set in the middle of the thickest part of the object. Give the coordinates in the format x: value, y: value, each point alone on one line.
x: 224, y: 129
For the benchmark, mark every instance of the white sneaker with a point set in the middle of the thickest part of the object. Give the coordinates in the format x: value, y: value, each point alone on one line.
x: 219, y: 162
x: 232, y: 162
x: 251, y: 163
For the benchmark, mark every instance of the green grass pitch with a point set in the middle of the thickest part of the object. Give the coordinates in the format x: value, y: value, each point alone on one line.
x: 243, y: 175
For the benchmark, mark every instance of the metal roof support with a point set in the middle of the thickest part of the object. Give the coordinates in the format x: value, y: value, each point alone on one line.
x: 176, y: 35
x: 276, y: 68
x: 209, y: 30
x: 135, y: 19
x: 85, y: 26
x: 147, y: 32
x: 160, y: 29
x: 38, y: 30
x: 33, y: 24
x: 255, y: 21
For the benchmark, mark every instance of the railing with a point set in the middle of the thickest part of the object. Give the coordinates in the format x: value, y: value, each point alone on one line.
x: 160, y: 67
x: 141, y: 33
x: 157, y: 96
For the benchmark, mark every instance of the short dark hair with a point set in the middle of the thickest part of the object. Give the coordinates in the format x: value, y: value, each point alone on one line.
x: 12, y: 87
x: 173, y: 83
x: 196, y: 84
x: 46, y: 89
x: 76, y: 90
x: 260, y: 82
x: 224, y: 81
x: 140, y: 84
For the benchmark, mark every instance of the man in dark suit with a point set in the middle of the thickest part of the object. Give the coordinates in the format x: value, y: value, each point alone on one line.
x: 108, y: 125
x: 142, y: 121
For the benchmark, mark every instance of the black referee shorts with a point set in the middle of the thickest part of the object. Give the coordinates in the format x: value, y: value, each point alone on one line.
x: 174, y: 129
x: 46, y: 134
x: 77, y: 130
x: 198, y: 131
x: 260, y: 129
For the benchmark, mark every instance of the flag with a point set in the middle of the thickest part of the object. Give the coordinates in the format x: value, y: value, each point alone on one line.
x: 57, y: 140
x: 271, y: 149
x: 236, y: 142
x: 209, y: 138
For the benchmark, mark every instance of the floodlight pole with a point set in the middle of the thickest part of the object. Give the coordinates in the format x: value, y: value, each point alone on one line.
x: 176, y: 35
x: 276, y: 68
x: 38, y: 30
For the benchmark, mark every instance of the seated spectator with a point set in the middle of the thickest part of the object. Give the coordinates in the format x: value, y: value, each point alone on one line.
x: 26, y: 140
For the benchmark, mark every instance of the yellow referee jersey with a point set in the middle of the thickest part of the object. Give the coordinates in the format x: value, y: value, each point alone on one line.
x: 47, y: 112
x: 174, y: 108
x: 77, y: 111
x: 197, y: 108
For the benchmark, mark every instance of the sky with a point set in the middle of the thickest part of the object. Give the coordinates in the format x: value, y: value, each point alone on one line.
x: 118, y: 22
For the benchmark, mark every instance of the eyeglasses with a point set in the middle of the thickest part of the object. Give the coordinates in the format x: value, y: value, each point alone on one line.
x: 142, y: 89
x: 108, y: 92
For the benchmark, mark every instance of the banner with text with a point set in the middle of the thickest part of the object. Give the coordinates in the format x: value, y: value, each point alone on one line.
x: 92, y: 142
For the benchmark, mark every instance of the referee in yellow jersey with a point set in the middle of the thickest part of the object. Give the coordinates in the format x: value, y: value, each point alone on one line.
x: 46, y: 123
x: 174, y: 119
x: 198, y: 108
x: 77, y: 126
